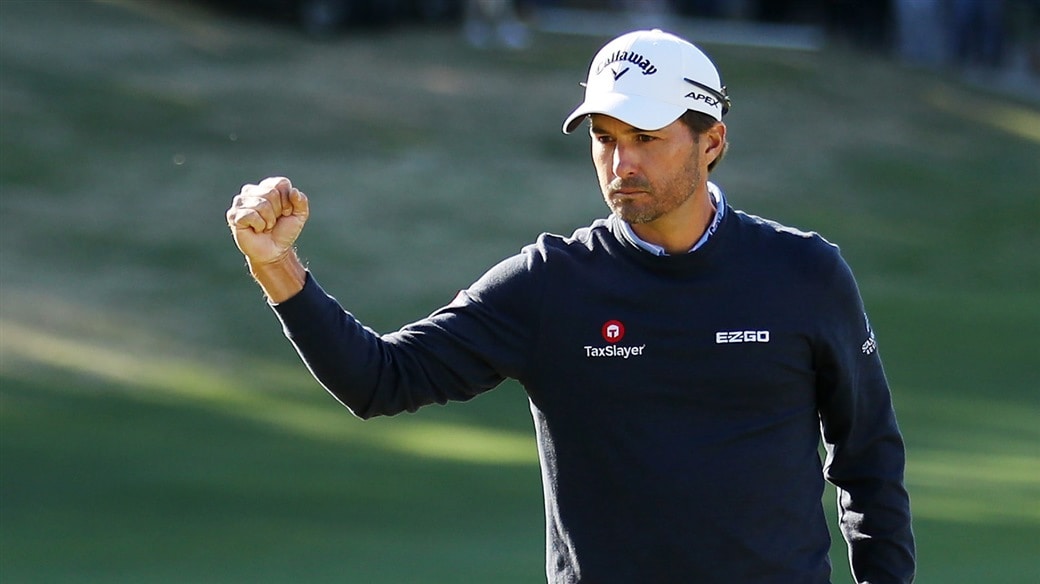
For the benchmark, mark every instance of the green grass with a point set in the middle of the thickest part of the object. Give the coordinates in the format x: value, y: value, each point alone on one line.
x: 156, y: 427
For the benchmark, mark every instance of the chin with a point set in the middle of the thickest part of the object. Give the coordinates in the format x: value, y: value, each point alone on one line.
x: 635, y: 216
x: 629, y: 211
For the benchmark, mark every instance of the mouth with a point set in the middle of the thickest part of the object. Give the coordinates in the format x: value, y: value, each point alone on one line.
x: 628, y: 188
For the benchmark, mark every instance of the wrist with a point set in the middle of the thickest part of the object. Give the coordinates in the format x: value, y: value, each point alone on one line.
x: 280, y: 279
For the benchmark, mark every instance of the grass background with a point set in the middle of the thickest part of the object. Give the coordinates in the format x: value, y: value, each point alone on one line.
x: 156, y: 427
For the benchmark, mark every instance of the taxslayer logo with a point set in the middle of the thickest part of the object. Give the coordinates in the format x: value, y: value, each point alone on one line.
x: 613, y: 331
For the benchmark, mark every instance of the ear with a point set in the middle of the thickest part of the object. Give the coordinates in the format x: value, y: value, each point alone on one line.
x: 714, y: 142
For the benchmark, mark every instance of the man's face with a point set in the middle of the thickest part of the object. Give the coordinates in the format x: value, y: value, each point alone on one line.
x: 646, y: 175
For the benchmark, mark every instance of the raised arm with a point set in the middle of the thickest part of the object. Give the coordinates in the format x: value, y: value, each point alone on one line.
x: 461, y: 350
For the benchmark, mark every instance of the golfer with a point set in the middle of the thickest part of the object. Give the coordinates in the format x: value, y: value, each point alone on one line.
x: 683, y: 359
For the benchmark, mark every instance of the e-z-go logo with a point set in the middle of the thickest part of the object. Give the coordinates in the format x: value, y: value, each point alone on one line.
x: 613, y: 331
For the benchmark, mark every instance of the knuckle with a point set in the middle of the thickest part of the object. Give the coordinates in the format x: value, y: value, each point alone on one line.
x: 241, y: 215
x: 273, y: 182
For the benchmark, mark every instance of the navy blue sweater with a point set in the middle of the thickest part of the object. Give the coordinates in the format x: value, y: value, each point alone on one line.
x: 678, y: 401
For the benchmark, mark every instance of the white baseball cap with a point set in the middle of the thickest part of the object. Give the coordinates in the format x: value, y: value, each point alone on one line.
x: 648, y: 79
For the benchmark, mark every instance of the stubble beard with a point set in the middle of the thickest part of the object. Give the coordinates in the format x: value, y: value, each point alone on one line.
x: 634, y: 213
x: 654, y: 205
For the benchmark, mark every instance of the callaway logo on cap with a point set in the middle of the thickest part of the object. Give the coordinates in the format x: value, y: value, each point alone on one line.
x: 648, y: 79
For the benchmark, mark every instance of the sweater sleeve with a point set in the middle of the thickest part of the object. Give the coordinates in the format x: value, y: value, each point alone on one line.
x: 456, y: 353
x: 865, y: 451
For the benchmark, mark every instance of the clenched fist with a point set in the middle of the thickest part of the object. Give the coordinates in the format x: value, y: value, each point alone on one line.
x: 265, y: 220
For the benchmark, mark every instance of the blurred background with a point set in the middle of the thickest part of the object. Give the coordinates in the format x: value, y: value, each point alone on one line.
x: 156, y: 427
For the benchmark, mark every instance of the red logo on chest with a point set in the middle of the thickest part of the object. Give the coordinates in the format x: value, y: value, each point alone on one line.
x: 613, y: 331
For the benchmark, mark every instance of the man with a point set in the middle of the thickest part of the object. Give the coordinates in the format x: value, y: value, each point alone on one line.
x: 681, y: 357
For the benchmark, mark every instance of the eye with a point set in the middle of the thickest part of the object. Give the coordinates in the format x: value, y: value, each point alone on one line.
x: 645, y: 138
x: 603, y: 138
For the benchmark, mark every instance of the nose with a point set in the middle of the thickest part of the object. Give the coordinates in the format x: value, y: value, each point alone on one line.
x: 624, y: 161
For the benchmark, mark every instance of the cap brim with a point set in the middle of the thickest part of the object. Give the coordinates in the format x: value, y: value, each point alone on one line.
x: 635, y: 110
